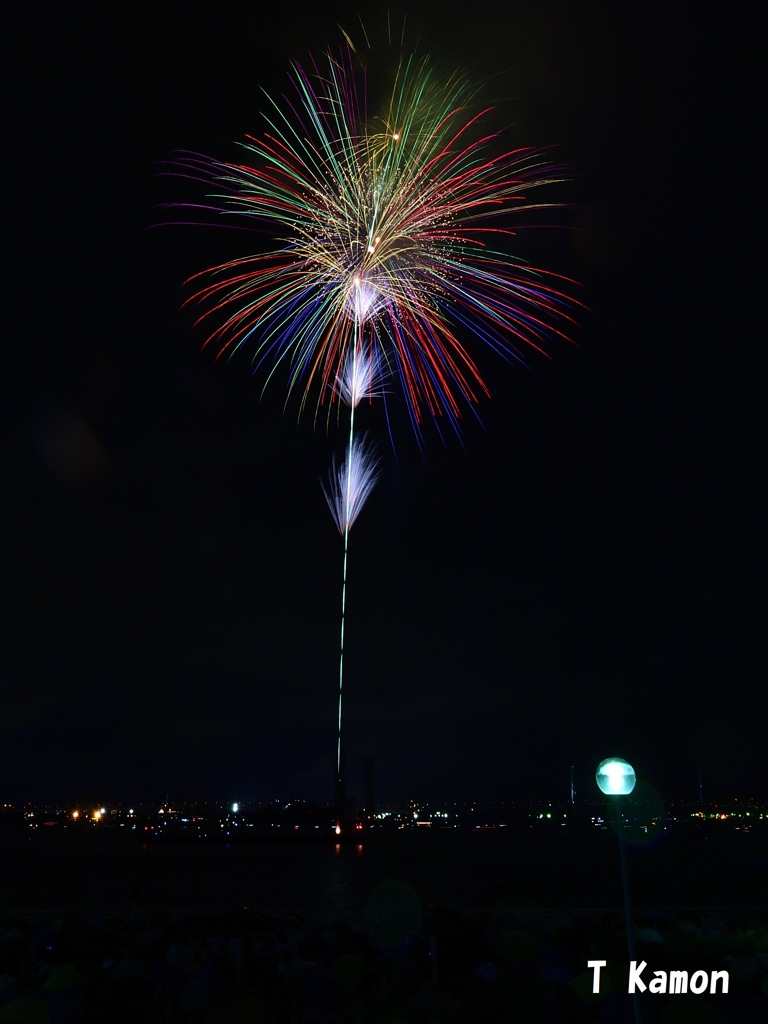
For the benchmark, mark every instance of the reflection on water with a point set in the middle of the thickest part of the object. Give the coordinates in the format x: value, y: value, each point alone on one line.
x: 396, y: 879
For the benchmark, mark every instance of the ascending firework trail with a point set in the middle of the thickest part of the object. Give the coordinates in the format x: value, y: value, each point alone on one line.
x: 349, y: 487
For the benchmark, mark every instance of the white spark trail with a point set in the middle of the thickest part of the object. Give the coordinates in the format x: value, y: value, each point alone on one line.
x: 349, y: 486
x: 351, y: 482
x: 362, y: 376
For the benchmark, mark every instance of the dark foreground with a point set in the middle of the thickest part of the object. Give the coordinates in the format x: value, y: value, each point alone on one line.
x: 461, y: 929
x: 243, y: 966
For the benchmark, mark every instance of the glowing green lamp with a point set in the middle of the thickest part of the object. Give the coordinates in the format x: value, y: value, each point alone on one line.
x: 615, y: 776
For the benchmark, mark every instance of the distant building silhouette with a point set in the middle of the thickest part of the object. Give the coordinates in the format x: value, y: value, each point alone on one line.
x: 340, y: 795
x: 369, y: 791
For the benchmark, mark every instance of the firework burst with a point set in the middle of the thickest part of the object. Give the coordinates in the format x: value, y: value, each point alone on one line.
x: 390, y: 242
x: 391, y: 238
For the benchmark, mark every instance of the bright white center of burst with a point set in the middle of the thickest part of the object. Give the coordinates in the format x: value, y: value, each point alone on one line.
x: 363, y: 298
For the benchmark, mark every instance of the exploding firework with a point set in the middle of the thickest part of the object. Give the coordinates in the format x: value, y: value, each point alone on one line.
x: 391, y: 241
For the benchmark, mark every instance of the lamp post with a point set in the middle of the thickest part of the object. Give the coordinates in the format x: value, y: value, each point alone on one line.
x: 616, y: 778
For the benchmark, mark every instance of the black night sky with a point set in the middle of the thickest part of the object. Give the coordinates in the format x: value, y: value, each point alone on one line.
x: 582, y: 578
